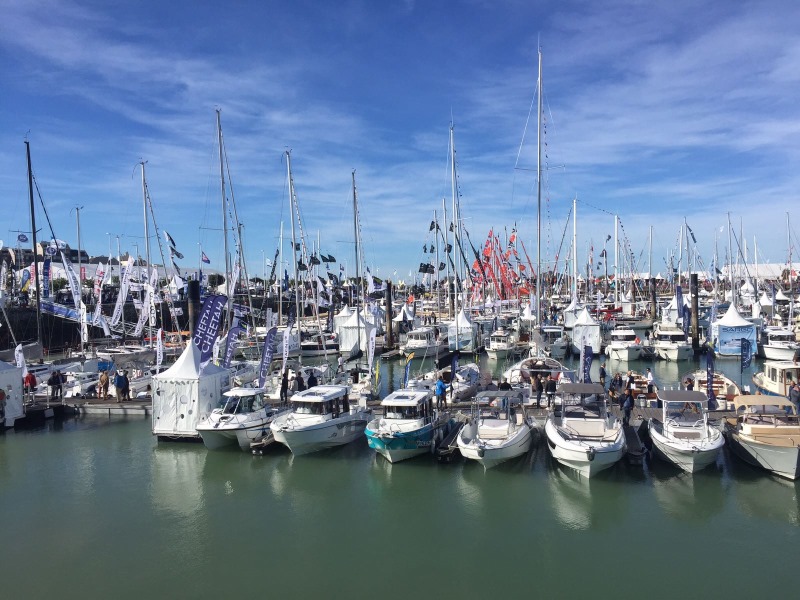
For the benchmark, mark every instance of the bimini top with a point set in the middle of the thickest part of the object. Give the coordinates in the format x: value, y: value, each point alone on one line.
x: 240, y: 392
x: 581, y: 388
x: 321, y: 393
x: 489, y: 395
x: 406, y: 397
x: 756, y: 400
x: 682, y: 396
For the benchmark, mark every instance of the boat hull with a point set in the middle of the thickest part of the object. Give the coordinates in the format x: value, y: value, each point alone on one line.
x: 587, y: 458
x: 399, y: 446
x: 490, y: 455
x: 777, y: 352
x: 674, y: 353
x: 314, y: 438
x: 780, y: 460
x: 682, y: 453
x: 624, y: 353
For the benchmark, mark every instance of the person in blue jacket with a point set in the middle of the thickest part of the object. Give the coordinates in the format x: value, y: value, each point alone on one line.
x: 441, y: 391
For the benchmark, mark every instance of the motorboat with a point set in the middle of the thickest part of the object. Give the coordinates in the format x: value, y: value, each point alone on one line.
x: 624, y: 345
x: 409, y: 425
x: 319, y: 344
x: 321, y: 417
x: 777, y: 377
x: 723, y: 387
x: 425, y: 341
x: 504, y: 343
x: 556, y: 344
x: 498, y: 430
x: 127, y: 355
x: 683, y: 436
x: 462, y: 385
x: 777, y: 343
x: 766, y: 434
x: 581, y: 433
x: 244, y: 415
x: 524, y: 371
x: 670, y: 343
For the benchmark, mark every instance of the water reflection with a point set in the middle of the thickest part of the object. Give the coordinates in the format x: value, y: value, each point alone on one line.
x: 685, y: 496
x: 176, y: 484
x: 582, y: 503
x: 762, y: 495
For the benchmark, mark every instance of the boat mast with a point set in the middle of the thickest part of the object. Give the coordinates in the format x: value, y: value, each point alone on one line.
x: 358, y: 261
x: 539, y: 197
x: 616, y: 261
x: 436, y: 270
x: 791, y: 295
x: 294, y: 243
x: 146, y: 246
x: 82, y: 327
x: 280, y: 277
x: 575, y: 248
x: 33, y: 238
x: 224, y: 212
x: 447, y: 252
x: 456, y: 220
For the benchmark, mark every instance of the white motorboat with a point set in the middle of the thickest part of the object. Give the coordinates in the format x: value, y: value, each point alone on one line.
x: 777, y: 343
x: 461, y: 386
x: 723, y: 387
x: 504, y: 343
x: 425, y: 341
x: 556, y: 343
x: 127, y: 355
x: 624, y: 344
x: 499, y: 429
x: 581, y: 433
x: 321, y: 417
x: 683, y: 435
x: 777, y: 377
x: 523, y: 371
x: 319, y: 344
x: 670, y: 343
x: 81, y: 384
x: 409, y: 426
x: 244, y: 415
x: 766, y: 434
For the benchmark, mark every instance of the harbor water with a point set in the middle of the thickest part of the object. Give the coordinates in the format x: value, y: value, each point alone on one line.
x: 97, y: 508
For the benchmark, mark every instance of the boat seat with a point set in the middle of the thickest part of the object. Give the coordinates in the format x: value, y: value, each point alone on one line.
x: 490, y: 429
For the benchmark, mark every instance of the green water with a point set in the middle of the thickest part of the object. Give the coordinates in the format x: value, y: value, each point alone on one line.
x: 98, y: 509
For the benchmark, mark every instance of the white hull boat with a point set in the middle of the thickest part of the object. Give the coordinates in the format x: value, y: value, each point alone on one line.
x: 580, y: 432
x: 321, y: 417
x: 243, y: 417
x: 498, y: 431
x: 684, y: 436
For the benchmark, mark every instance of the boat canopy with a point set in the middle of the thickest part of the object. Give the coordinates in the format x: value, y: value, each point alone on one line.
x: 756, y: 400
x: 406, y: 397
x: 682, y: 396
x: 581, y: 388
x: 487, y: 396
x: 320, y: 393
x: 242, y: 391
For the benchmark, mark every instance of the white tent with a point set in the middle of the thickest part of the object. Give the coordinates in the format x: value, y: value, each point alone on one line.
x: 571, y: 314
x: 462, y: 334
x: 586, y: 331
x: 670, y: 313
x: 11, y: 388
x: 184, y: 395
x: 341, y: 318
x: 354, y: 333
x: 728, y: 331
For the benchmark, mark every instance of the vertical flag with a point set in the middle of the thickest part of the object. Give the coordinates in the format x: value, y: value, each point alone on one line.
x: 710, y: 380
x: 746, y: 355
x: 371, y: 349
x: 19, y: 356
x: 74, y: 282
x: 208, y: 323
x: 231, y: 342
x: 159, y: 347
x: 46, y: 278
x: 124, y: 282
x: 588, y: 356
x: 3, y: 275
x: 408, y: 368
x: 266, y: 356
x: 286, y: 333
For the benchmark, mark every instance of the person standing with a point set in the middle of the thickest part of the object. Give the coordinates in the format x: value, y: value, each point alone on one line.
x: 126, y: 386
x: 441, y: 391
x: 794, y: 395
x: 119, y: 386
x: 539, y: 389
x: 627, y: 407
x: 61, y: 379
x: 53, y: 383
x: 285, y: 386
x: 301, y: 384
x: 29, y: 383
x: 312, y: 380
x: 650, y: 381
x: 103, y: 385
x: 603, y: 374
x: 550, y: 388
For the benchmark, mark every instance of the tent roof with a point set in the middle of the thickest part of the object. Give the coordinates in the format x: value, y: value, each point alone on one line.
x: 405, y: 312
x: 765, y: 300
x: 345, y: 312
x: 732, y: 318
x: 462, y: 320
x: 188, y: 366
x: 584, y: 318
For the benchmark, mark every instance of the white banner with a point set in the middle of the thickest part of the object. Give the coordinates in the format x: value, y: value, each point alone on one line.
x: 20, y: 358
x: 371, y: 348
x: 123, y: 291
x: 286, y: 334
x: 145, y: 312
x: 234, y: 278
x: 159, y: 347
x: 74, y: 281
x: 84, y: 326
x: 3, y: 276
x: 153, y: 292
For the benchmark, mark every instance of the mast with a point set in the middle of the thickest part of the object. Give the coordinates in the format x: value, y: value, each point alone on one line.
x: 616, y: 261
x: 224, y: 210
x: 33, y: 238
x: 575, y: 248
x: 82, y: 325
x: 456, y: 219
x: 358, y: 269
x: 539, y: 197
x: 146, y: 247
x: 280, y: 277
x: 294, y: 243
x: 446, y: 245
x: 791, y: 295
x: 436, y: 270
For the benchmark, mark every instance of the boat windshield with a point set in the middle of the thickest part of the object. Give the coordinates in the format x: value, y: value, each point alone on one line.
x: 623, y: 336
x: 685, y: 411
x: 308, y: 408
x: 242, y: 404
x: 401, y: 412
x: 418, y: 337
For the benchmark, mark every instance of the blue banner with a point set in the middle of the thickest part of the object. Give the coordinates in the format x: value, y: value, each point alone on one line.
x: 774, y: 298
x: 46, y: 278
x: 712, y: 401
x: 266, y: 355
x: 231, y: 343
x: 408, y: 368
x: 679, y: 299
x: 746, y: 356
x: 454, y: 366
x: 291, y: 317
x: 687, y: 319
x: 208, y: 324
x: 588, y: 356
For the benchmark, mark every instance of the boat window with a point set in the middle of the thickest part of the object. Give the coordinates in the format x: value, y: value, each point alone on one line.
x: 231, y: 406
x: 401, y: 412
x: 307, y: 408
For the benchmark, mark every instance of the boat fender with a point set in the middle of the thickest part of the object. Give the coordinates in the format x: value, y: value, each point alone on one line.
x: 481, y: 452
x: 590, y: 454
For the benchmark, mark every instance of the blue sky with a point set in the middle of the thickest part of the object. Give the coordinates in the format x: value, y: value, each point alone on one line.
x: 655, y: 112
